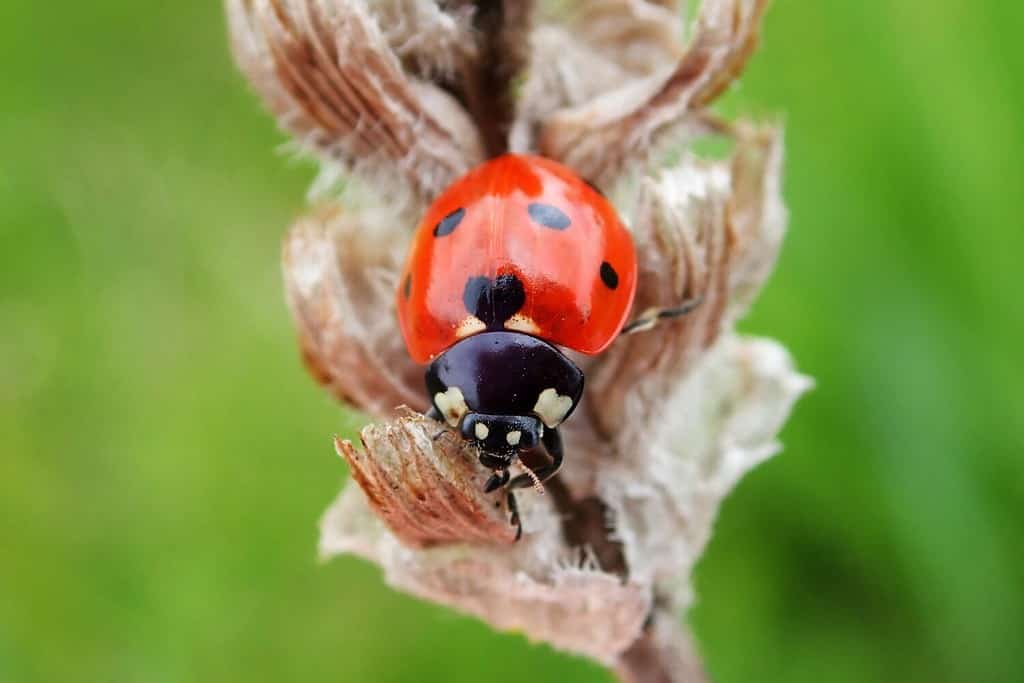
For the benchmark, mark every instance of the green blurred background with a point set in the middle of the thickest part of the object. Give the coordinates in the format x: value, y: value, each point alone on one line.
x: 164, y: 459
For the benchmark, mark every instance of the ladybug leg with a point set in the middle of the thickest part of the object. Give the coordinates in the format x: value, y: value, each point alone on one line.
x: 435, y: 414
x: 514, y: 509
x: 652, y: 316
x: 553, y: 443
x: 496, y: 481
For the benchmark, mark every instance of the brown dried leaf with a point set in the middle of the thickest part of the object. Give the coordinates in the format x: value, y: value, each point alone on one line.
x: 563, y: 72
x: 708, y: 230
x: 432, y: 40
x: 640, y: 35
x: 623, y: 126
x: 600, y: 46
x: 736, y: 25
x: 756, y: 210
x: 426, y: 484
x: 340, y: 272
x: 327, y: 72
x: 683, y: 248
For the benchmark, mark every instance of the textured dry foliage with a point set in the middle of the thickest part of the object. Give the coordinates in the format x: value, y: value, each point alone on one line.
x: 402, y: 96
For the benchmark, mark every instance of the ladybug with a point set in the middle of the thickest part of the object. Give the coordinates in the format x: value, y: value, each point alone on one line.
x: 515, y: 261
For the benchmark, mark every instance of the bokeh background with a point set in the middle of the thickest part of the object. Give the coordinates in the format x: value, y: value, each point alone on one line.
x: 164, y: 459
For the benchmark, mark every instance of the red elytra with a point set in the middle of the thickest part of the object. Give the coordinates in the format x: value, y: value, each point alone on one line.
x: 528, y: 221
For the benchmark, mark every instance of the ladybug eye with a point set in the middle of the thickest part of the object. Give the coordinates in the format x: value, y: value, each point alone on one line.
x: 448, y: 224
x: 548, y: 216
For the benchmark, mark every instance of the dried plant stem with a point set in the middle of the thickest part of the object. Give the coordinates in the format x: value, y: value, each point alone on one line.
x: 663, y: 654
x: 485, y: 85
x: 409, y: 94
x: 663, y: 651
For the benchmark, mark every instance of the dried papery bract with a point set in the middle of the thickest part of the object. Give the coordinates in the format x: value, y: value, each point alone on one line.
x: 425, y: 484
x: 327, y: 71
x: 671, y: 418
x: 341, y: 270
x: 623, y: 126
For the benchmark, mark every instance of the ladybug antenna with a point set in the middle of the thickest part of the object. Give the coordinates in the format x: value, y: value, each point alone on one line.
x: 537, y: 485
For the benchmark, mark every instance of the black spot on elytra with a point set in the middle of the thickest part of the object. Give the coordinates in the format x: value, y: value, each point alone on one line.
x: 608, y: 275
x: 494, y: 301
x: 548, y: 216
x: 407, y: 287
x: 448, y: 224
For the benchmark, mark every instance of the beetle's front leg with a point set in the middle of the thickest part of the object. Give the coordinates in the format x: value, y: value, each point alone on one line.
x: 650, y: 318
x: 496, y: 481
x: 513, y: 507
x: 435, y: 414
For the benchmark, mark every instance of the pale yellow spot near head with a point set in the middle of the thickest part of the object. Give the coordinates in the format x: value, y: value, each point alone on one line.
x: 452, y: 405
x: 522, y: 323
x: 470, y: 325
x: 552, y: 407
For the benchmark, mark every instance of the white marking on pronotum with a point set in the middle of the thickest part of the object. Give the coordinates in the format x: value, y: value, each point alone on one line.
x: 470, y: 325
x: 522, y: 323
x: 552, y: 407
x: 514, y: 437
x: 481, y: 430
x: 452, y: 405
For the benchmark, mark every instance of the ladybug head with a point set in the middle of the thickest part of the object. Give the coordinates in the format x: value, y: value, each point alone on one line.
x: 501, y: 437
x: 502, y: 390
